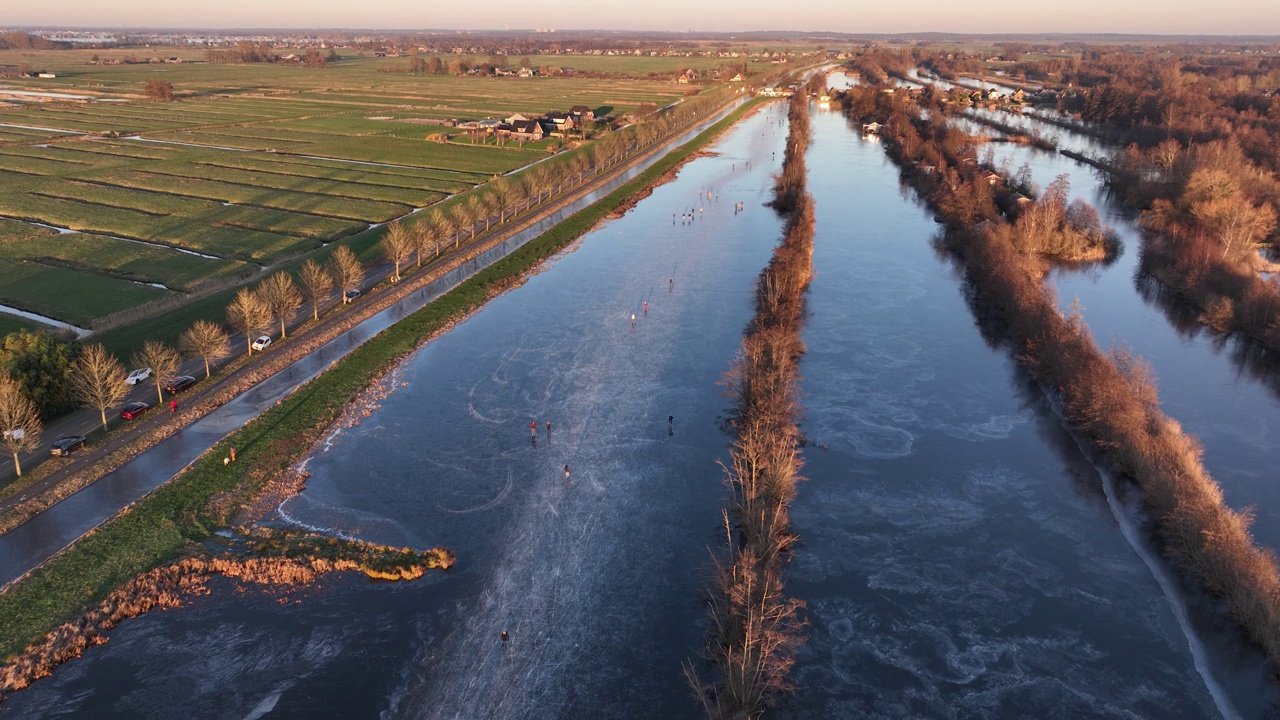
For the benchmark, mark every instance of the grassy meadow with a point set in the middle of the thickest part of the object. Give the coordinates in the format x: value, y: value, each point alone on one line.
x: 252, y: 165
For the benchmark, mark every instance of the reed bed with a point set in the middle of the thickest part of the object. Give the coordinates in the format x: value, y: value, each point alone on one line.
x: 754, y: 627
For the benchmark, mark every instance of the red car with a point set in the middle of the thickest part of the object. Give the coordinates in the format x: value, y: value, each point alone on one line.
x: 133, y: 410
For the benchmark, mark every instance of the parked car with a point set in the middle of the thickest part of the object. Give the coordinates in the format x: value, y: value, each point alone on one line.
x: 65, y: 445
x: 180, y: 383
x: 351, y: 295
x: 133, y: 410
x: 262, y: 343
x: 138, y: 376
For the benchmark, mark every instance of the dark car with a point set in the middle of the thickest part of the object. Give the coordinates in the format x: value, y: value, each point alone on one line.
x: 351, y: 295
x: 133, y: 410
x: 65, y: 445
x: 180, y: 383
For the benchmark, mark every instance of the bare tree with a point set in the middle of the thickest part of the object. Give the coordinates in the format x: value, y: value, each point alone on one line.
x: 316, y: 284
x: 97, y: 379
x: 164, y: 362
x: 396, y: 244
x: 482, y: 204
x: 467, y: 218
x: 158, y: 90
x: 347, y: 270
x: 282, y: 297
x: 19, y: 421
x: 424, y: 237
x: 503, y: 195
x: 448, y: 228
x: 207, y: 341
x: 249, y: 315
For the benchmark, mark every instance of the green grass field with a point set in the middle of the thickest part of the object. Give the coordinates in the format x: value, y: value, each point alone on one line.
x: 255, y: 164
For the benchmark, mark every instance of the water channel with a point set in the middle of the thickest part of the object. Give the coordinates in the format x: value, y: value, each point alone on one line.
x: 595, y: 577
x: 1220, y: 390
x: 958, y: 555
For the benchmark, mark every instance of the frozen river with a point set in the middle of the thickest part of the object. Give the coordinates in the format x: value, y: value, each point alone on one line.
x: 958, y: 555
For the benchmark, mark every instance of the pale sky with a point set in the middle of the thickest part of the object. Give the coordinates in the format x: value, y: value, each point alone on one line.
x: 1222, y: 17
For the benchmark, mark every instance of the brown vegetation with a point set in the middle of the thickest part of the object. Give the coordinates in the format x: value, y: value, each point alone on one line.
x: 20, y: 424
x: 249, y: 315
x: 1110, y: 401
x: 280, y: 558
x: 97, y: 379
x: 164, y: 362
x: 207, y: 341
x: 755, y: 628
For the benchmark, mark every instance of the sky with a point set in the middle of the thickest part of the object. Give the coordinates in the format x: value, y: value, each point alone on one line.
x: 1221, y: 17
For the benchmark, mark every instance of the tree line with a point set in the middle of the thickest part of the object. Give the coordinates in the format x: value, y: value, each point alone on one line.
x: 1109, y: 399
x: 754, y: 627
x: 41, y: 378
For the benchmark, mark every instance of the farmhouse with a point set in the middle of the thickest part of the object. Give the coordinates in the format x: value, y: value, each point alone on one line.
x: 558, y: 123
x: 530, y: 130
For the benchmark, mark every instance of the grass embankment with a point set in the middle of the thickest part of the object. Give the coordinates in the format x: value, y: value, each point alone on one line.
x: 755, y: 628
x: 1109, y: 400
x: 165, y: 524
x: 277, y: 558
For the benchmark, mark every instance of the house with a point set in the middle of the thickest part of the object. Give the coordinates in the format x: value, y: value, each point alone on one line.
x: 558, y: 123
x: 688, y: 76
x: 1018, y: 96
x: 46, y: 75
x: 871, y: 128
x: 525, y: 72
x: 530, y: 130
x: 736, y: 78
x: 513, y: 119
x: 10, y: 71
x: 991, y: 178
x: 582, y: 113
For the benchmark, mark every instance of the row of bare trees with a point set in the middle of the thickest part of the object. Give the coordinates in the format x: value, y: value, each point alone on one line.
x: 506, y: 197
x: 98, y: 378
x: 755, y: 628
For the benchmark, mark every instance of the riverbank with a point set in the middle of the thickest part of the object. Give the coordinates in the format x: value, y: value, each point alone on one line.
x: 265, y: 558
x: 208, y: 495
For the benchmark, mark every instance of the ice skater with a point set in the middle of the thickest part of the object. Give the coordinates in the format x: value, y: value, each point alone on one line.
x: 533, y: 428
x: 671, y: 425
x: 671, y: 284
x: 548, y: 428
x: 566, y: 472
x: 633, y: 321
x: 505, y: 637
x: 646, y: 307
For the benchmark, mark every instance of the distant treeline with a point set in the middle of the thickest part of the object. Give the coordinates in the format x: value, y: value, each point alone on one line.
x: 27, y: 41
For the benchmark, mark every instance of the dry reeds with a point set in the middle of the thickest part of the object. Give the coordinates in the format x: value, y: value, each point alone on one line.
x: 755, y: 627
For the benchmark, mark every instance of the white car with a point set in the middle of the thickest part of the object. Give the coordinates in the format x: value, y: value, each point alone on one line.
x: 138, y: 376
x: 262, y: 343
